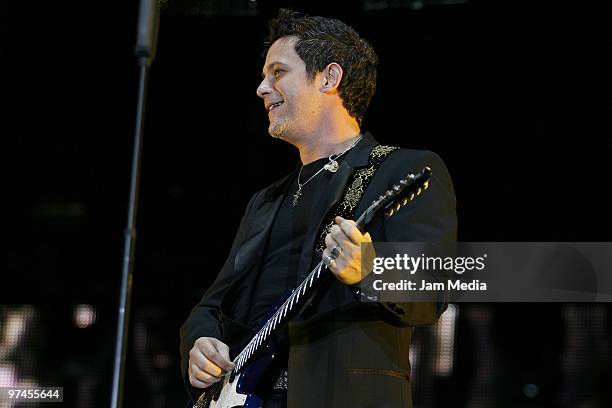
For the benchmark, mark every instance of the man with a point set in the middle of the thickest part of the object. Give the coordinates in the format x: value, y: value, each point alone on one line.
x: 318, y: 79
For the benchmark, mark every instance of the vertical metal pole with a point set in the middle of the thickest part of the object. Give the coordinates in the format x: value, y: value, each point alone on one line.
x: 130, y: 244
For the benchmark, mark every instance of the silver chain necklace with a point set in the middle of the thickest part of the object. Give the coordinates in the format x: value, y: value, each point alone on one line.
x: 332, y: 166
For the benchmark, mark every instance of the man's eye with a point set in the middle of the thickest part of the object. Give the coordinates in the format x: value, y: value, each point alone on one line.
x: 276, y: 72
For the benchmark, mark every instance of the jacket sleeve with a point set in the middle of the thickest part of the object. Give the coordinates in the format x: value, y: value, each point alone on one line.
x: 431, y: 218
x: 203, y: 321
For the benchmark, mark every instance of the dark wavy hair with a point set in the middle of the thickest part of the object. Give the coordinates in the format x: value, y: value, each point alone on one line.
x: 321, y: 41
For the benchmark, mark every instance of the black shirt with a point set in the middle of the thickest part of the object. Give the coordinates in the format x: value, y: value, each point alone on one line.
x: 281, y: 260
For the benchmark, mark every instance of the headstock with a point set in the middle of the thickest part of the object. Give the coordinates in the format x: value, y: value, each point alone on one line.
x: 406, y: 190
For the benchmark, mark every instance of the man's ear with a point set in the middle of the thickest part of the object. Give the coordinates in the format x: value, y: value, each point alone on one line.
x: 331, y: 77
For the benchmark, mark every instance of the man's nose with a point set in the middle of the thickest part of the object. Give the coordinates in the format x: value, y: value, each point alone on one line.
x: 263, y: 89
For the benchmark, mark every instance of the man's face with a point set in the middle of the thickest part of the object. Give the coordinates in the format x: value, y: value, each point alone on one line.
x: 293, y: 103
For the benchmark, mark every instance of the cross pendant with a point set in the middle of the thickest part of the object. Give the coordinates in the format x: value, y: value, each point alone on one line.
x: 297, y: 196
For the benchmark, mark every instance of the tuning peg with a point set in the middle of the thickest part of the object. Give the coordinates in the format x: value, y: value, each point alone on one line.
x: 411, y: 176
x: 403, y: 181
x: 411, y: 196
x: 426, y: 185
x: 396, y: 187
x: 418, y: 192
x: 389, y: 212
x: 405, y: 201
x: 398, y: 206
x: 389, y: 193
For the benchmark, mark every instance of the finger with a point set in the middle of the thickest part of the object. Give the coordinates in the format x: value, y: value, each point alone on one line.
x: 337, y: 265
x: 330, y: 242
x: 203, y: 376
x: 197, y: 383
x: 344, y: 242
x: 349, y: 227
x: 212, y: 369
x: 327, y: 261
x: 197, y: 375
x: 197, y: 357
x: 339, y: 236
x: 219, y: 354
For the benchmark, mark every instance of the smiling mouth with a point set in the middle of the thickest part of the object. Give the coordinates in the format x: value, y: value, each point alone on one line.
x: 274, y: 106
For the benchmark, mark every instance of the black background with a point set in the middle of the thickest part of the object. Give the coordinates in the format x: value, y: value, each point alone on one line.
x: 513, y: 95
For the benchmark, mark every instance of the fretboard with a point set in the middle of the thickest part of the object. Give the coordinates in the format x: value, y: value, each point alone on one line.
x: 282, y: 315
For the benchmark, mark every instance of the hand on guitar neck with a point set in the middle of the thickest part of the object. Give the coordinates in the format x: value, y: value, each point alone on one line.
x: 208, y: 361
x: 343, y: 251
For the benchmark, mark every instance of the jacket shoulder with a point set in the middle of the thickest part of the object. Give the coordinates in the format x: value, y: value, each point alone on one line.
x: 416, y: 157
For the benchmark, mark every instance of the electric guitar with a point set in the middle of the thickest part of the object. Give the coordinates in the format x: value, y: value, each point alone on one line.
x: 237, y: 388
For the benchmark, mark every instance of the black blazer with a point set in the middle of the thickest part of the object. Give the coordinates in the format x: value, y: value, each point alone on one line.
x: 345, y: 352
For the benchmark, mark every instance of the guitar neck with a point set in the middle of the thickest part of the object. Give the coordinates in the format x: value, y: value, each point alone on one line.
x: 280, y: 318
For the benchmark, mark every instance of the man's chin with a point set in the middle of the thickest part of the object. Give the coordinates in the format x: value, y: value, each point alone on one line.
x: 277, y: 130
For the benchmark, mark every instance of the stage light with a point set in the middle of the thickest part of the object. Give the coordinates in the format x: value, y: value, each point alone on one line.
x: 84, y: 316
x: 445, y: 341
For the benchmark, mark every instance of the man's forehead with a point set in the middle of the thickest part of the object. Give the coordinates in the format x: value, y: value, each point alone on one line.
x: 283, y: 48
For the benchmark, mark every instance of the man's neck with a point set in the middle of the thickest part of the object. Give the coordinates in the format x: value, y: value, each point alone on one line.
x: 323, y: 145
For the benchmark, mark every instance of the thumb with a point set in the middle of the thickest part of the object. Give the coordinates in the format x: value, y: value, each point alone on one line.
x: 223, y: 351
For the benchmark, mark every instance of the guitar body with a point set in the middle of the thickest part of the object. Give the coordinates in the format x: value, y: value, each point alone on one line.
x: 241, y: 391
